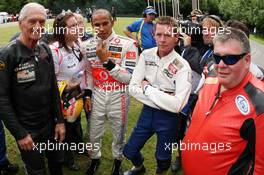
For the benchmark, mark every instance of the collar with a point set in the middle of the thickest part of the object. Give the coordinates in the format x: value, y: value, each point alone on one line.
x: 172, y: 54
x: 240, y: 86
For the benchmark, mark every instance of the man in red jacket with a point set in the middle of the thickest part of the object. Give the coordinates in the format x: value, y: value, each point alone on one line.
x: 227, y: 129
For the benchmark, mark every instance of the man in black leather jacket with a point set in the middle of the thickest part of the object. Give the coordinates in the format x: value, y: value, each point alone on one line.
x: 29, y: 96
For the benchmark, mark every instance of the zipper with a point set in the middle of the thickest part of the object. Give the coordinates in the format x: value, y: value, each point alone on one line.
x: 214, y: 103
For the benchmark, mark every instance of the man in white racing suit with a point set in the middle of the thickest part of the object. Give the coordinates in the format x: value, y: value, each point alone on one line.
x: 162, y: 82
x: 112, y: 59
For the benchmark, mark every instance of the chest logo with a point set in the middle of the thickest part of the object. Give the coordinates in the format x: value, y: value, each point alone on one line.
x: 242, y: 104
x: 2, y: 65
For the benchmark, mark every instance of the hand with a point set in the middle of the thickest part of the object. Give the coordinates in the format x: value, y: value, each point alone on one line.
x: 87, y: 104
x: 59, y: 132
x: 71, y: 86
x: 101, y: 51
x: 136, y: 43
x: 26, y: 143
x: 144, y: 83
x: 187, y: 40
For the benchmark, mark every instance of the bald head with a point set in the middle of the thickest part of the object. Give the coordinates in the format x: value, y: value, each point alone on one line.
x: 31, y: 6
x: 102, y: 12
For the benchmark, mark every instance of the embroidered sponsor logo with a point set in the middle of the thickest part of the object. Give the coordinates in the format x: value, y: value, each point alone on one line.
x: 114, y: 55
x: 131, y: 55
x: 115, y: 49
x: 242, y: 104
x: 130, y: 63
x: 167, y: 73
x: 172, y: 69
x: 116, y: 40
x: 2, y: 65
x: 150, y: 63
x: 177, y: 63
x: 91, y: 54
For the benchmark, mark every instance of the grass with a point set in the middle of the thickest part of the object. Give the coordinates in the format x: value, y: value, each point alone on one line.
x: 106, y: 164
x: 257, y: 38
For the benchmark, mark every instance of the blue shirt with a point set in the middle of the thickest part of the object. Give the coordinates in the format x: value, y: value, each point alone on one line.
x: 147, y: 33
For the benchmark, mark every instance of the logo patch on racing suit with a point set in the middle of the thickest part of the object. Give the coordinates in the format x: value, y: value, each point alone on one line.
x: 166, y: 71
x: 172, y: 69
x: 115, y: 49
x: 242, y: 104
x: 131, y: 55
x: 150, y: 63
x: 114, y: 55
x: 2, y: 65
x: 25, y: 72
x: 130, y: 64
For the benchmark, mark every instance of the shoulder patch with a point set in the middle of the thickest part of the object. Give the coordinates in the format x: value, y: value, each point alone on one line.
x: 256, y: 96
x: 242, y: 104
x: 177, y: 63
x: 2, y: 65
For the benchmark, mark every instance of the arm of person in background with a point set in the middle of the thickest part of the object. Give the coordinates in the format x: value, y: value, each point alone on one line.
x: 134, y: 27
x: 88, y: 79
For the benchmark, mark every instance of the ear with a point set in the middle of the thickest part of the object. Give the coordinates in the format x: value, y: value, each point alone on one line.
x: 248, y: 59
x: 112, y: 22
x: 20, y: 25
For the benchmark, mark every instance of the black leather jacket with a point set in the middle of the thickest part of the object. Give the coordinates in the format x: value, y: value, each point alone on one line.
x: 29, y: 96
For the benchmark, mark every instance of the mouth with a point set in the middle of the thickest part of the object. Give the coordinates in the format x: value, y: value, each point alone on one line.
x: 222, y: 74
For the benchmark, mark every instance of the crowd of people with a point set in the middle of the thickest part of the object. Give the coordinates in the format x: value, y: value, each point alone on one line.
x: 203, y: 96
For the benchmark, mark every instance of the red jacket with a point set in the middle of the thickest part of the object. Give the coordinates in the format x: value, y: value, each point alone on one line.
x: 229, y: 137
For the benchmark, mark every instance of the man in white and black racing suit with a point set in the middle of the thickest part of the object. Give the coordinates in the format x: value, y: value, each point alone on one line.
x: 112, y: 59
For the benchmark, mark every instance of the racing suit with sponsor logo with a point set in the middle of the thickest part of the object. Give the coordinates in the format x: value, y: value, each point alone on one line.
x: 226, y: 132
x: 168, y: 91
x: 110, y: 94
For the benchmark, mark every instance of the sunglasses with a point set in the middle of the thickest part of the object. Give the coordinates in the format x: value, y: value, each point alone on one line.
x: 228, y: 59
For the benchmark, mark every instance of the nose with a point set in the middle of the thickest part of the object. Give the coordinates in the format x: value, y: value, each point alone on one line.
x: 222, y: 64
x: 101, y: 28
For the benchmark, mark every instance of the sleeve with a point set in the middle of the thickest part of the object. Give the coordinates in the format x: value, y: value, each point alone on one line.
x: 259, y: 145
x: 135, y: 88
x: 257, y: 71
x: 56, y: 103
x: 123, y: 72
x: 173, y: 103
x: 135, y: 26
x: 88, y: 79
x: 193, y: 57
x: 7, y: 112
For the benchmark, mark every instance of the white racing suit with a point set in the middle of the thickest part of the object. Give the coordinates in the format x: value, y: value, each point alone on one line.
x: 110, y: 97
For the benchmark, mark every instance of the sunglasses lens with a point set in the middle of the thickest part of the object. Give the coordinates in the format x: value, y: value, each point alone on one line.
x: 228, y: 59
x: 217, y: 59
x: 232, y: 59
